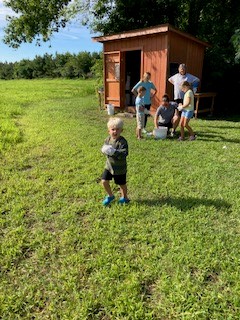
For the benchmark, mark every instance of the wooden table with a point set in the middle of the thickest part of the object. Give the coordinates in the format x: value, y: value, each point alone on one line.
x: 204, y: 95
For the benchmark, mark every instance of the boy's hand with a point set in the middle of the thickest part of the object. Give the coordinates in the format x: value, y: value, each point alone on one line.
x: 108, y: 150
x: 180, y: 107
x: 146, y: 111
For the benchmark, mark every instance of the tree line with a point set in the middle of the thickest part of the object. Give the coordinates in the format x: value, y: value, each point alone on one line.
x: 71, y: 66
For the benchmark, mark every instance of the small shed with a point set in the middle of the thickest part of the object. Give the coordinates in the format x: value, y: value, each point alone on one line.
x: 159, y: 50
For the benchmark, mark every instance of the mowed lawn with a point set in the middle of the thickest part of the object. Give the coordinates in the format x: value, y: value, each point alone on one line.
x: 172, y: 253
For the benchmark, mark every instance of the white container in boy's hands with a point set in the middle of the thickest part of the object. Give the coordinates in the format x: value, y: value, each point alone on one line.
x: 110, y: 109
x: 160, y: 133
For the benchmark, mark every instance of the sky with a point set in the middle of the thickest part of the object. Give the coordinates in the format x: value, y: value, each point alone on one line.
x: 74, y: 38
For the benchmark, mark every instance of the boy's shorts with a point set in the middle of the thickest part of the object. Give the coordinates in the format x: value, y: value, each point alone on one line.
x: 140, y: 120
x: 187, y: 113
x: 119, y: 179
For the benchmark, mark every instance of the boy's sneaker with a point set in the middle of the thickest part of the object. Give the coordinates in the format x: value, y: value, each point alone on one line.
x: 108, y: 200
x: 192, y: 138
x: 180, y: 139
x: 172, y: 134
x: 144, y: 130
x: 123, y: 200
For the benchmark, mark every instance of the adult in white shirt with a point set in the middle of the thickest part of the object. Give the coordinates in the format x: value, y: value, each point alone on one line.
x: 178, y: 79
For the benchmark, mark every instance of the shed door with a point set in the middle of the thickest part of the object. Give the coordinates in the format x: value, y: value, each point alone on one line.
x: 113, y: 78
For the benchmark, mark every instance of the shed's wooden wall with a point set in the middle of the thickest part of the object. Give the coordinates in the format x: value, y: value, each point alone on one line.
x: 184, y: 50
x: 154, y: 58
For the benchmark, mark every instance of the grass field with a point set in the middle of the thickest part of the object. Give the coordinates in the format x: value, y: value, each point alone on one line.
x: 172, y: 253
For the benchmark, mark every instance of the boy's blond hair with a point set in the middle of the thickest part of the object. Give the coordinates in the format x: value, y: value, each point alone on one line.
x: 115, y: 122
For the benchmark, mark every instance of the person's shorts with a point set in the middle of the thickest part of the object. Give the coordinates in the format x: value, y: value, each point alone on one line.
x: 168, y: 125
x: 187, y: 113
x: 140, y: 120
x: 120, y: 179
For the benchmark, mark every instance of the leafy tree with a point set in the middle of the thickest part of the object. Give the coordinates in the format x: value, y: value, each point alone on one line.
x: 35, y: 19
x: 68, y: 69
x: 97, y: 70
x: 60, y: 61
x: 236, y: 44
x: 38, y: 67
x: 83, y: 64
x: 24, y: 69
x: 6, y: 71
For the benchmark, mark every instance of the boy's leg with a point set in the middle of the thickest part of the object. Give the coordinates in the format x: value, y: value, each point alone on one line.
x: 121, y: 181
x: 139, y: 133
x: 147, y: 106
x: 110, y: 197
x: 124, y: 198
x: 123, y: 190
x: 107, y: 187
x: 106, y: 177
x: 139, y: 125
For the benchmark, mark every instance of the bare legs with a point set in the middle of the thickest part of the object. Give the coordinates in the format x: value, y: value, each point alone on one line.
x: 184, y: 124
x: 123, y: 190
x: 107, y: 187
x: 139, y: 133
x: 175, y: 122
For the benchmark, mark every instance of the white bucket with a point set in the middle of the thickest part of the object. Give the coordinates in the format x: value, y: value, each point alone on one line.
x: 110, y: 109
x: 160, y: 133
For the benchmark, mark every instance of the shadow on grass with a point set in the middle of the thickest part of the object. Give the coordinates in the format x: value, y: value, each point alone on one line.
x: 215, y: 137
x: 186, y: 203
x: 233, y: 118
x: 219, y: 127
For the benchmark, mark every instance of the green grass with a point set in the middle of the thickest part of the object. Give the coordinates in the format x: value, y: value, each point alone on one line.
x: 172, y: 253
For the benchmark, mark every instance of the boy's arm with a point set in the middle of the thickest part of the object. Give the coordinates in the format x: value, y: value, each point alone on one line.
x: 121, y: 150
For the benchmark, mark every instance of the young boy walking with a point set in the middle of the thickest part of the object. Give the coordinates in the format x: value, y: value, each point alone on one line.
x: 116, y: 150
x: 140, y: 111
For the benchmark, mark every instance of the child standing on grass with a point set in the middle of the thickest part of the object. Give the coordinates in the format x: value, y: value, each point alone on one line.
x: 187, y: 109
x: 149, y: 94
x: 116, y: 150
x: 140, y: 111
